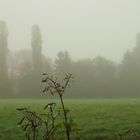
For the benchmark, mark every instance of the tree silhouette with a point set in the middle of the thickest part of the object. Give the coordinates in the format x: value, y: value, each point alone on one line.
x: 36, y: 44
x: 4, y: 80
x: 130, y: 71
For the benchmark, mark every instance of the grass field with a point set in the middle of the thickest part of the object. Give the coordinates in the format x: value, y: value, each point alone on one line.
x: 97, y: 119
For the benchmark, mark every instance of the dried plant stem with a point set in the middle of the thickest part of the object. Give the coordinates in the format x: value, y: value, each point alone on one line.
x: 34, y: 134
x: 65, y: 118
x: 34, y: 130
x: 54, y: 86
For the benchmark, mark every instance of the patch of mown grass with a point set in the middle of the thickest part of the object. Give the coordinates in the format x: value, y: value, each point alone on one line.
x: 97, y: 119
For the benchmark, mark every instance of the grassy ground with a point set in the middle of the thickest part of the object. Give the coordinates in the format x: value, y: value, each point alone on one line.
x: 97, y: 119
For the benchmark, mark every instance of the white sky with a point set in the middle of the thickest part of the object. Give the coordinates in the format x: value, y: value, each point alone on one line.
x: 85, y: 28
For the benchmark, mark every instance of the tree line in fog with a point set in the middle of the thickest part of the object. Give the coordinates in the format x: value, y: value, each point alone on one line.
x: 21, y: 72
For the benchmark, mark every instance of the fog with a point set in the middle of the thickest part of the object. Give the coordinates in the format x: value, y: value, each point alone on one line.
x: 97, y: 41
x: 85, y: 28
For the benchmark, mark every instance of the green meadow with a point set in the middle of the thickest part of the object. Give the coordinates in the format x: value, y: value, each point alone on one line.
x: 103, y: 119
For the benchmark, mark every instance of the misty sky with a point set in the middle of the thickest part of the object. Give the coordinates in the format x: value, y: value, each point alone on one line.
x: 85, y: 28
